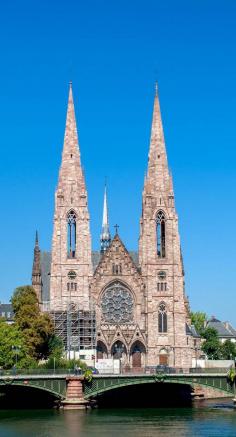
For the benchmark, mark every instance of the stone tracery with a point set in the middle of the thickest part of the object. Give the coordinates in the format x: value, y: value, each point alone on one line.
x: 117, y: 304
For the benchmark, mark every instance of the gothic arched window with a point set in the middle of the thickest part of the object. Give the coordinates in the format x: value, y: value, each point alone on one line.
x: 162, y: 318
x: 161, y: 249
x: 71, y: 234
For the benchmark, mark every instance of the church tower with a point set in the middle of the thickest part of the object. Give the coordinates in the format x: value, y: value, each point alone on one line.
x: 160, y: 258
x: 36, y: 271
x: 71, y: 265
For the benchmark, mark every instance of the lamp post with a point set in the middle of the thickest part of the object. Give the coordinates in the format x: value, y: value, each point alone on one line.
x: 16, y: 349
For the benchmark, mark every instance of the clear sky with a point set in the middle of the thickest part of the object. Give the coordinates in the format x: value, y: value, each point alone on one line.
x: 113, y: 52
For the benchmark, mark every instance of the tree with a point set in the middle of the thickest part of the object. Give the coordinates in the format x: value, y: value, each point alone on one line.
x: 228, y: 350
x: 56, y: 347
x: 198, y: 319
x: 211, y: 346
x: 13, y: 348
x: 36, y: 327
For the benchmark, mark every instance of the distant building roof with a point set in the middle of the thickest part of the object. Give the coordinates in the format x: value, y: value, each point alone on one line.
x: 45, y: 259
x: 6, y: 311
x: 224, y: 329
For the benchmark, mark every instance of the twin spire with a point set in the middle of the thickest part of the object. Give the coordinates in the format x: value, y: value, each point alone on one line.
x: 157, y: 175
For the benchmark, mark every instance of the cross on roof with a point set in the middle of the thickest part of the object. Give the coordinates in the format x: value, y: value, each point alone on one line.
x: 116, y: 228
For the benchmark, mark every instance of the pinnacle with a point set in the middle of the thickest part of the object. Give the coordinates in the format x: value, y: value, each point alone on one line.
x: 158, y: 173
x: 71, y: 163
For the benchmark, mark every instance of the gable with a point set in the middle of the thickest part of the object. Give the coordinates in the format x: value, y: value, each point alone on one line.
x: 117, y: 261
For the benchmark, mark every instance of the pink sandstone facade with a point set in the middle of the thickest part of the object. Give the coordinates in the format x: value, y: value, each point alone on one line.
x: 142, y: 313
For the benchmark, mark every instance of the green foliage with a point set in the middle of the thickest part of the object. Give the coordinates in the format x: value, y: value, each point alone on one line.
x: 13, y: 347
x: 23, y: 296
x: 198, y: 319
x: 36, y: 327
x: 63, y: 363
x: 88, y: 375
x: 56, y: 347
x: 211, y: 346
x: 228, y: 350
x: 231, y: 374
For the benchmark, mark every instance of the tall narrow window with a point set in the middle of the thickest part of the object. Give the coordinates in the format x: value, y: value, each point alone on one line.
x: 161, y: 251
x: 162, y: 318
x: 71, y: 234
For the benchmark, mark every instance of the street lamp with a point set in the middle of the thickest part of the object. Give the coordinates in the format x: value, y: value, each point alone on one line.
x: 16, y: 349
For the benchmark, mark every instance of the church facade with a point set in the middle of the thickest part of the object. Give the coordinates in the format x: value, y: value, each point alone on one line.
x: 142, y: 313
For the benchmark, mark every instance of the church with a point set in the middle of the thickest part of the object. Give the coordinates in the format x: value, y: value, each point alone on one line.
x: 126, y: 305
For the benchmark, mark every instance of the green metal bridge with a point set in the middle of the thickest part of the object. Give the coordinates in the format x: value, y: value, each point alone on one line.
x: 56, y: 384
x: 101, y: 384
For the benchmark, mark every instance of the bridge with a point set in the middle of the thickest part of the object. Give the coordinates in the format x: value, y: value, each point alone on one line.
x: 72, y: 391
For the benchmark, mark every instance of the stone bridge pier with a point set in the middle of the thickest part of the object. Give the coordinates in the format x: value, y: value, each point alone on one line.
x: 74, y: 394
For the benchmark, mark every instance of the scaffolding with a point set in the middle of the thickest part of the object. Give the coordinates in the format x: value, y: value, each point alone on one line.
x: 75, y: 327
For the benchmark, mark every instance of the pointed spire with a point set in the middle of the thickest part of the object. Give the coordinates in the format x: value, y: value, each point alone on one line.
x: 36, y: 263
x: 158, y: 174
x: 71, y: 163
x: 105, y: 237
x: 36, y: 270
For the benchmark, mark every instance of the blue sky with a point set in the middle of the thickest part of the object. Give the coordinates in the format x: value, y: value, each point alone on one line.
x: 113, y: 52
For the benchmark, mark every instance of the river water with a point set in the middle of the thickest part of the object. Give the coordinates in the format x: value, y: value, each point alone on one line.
x: 205, y: 419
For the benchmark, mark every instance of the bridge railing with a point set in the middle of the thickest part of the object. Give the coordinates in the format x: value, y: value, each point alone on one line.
x: 42, y: 372
x: 148, y: 370
x: 151, y: 370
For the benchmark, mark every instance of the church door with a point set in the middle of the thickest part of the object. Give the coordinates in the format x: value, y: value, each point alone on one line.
x: 136, y: 358
x: 163, y: 359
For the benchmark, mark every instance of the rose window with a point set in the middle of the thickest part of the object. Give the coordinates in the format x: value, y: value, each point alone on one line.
x: 117, y: 304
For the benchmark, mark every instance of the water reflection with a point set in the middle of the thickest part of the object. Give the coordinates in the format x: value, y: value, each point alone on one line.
x: 204, y: 419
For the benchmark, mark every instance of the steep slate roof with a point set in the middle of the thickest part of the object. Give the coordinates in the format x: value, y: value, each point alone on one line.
x: 45, y: 259
x: 191, y: 330
x: 223, y: 329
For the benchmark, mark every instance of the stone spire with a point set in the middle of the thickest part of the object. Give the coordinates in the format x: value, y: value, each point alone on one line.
x: 158, y: 173
x: 71, y: 244
x: 71, y: 161
x: 105, y: 237
x: 36, y: 270
x: 160, y: 254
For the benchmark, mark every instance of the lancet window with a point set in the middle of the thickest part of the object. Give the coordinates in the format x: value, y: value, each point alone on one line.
x: 71, y: 234
x: 160, y: 230
x: 162, y: 318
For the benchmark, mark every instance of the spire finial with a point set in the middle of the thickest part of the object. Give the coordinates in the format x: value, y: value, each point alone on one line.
x: 36, y: 238
x: 156, y: 88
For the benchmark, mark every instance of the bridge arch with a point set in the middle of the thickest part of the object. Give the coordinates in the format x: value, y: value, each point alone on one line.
x: 19, y: 394
x: 217, y: 383
x: 55, y: 387
x: 142, y: 392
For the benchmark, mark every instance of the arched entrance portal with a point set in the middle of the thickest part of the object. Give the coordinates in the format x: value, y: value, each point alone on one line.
x: 138, y: 353
x: 101, y: 350
x: 163, y: 357
x: 119, y: 351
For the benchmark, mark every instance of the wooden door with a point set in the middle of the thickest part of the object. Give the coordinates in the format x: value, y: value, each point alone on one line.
x: 163, y: 359
x: 99, y: 354
x: 136, y: 359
